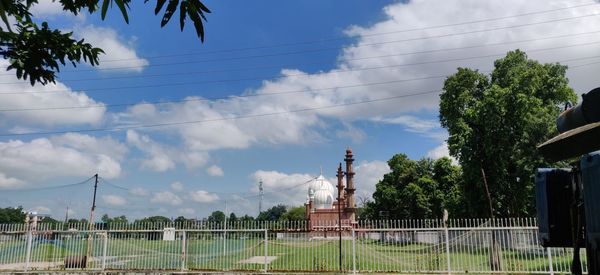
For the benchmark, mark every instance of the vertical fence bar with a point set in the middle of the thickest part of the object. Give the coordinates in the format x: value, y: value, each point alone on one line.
x: 104, y: 249
x: 551, y: 268
x: 266, y: 249
x: 447, y: 237
x: 183, y: 250
x: 28, y: 252
x: 353, y: 251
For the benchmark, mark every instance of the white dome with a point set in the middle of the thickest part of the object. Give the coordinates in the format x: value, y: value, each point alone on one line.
x: 322, y: 193
x: 323, y: 199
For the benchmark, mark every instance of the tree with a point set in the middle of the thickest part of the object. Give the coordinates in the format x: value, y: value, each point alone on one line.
x: 12, y: 215
x: 294, y: 214
x: 495, y: 122
x: 416, y: 189
x: 272, y: 214
x: 217, y: 216
x: 37, y: 51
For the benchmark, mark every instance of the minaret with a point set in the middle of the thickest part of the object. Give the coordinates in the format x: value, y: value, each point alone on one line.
x: 350, y: 202
x: 340, y: 181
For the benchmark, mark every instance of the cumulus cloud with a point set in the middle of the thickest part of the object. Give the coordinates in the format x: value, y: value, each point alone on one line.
x: 368, y: 174
x: 176, y: 186
x: 280, y: 187
x: 119, y: 54
x: 9, y: 183
x: 202, y: 196
x: 212, y: 126
x: 45, y: 158
x: 43, y: 98
x: 114, y: 200
x: 440, y: 152
x: 166, y: 197
x: 215, y: 171
x: 161, y: 157
x: 51, y: 9
x: 425, y: 127
x: 139, y: 192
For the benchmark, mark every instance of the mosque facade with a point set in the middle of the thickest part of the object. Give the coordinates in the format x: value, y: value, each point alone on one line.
x: 327, y: 204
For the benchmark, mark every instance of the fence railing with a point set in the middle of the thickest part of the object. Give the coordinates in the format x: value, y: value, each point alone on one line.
x: 399, y: 246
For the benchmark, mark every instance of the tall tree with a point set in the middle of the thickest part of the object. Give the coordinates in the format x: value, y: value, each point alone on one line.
x: 36, y: 51
x: 12, y: 215
x: 416, y: 189
x: 294, y: 214
x: 272, y: 214
x: 217, y: 216
x: 495, y: 122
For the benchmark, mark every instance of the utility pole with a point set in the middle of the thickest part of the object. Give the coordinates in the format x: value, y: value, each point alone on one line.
x: 91, y: 222
x: 260, y: 196
x: 340, y: 176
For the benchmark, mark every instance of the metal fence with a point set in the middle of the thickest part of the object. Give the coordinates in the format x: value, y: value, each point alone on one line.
x: 407, y: 246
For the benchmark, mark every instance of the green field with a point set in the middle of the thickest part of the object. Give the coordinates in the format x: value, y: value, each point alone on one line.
x: 284, y: 255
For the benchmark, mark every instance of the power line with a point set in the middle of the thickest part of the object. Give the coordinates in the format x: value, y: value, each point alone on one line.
x: 337, y: 48
x: 335, y: 88
x: 216, y: 119
x: 49, y: 187
x: 319, y: 62
x: 295, y: 75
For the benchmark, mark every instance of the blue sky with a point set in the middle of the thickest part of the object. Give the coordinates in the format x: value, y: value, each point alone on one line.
x: 311, y: 54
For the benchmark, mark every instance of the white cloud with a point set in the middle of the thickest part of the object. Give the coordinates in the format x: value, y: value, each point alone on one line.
x: 52, y: 9
x: 44, y: 158
x: 202, y: 196
x: 166, y: 197
x: 177, y: 186
x: 279, y: 187
x: 215, y: 171
x: 41, y: 210
x: 139, y: 192
x: 160, y: 157
x: 118, y: 54
x: 368, y: 174
x: 441, y: 151
x: 10, y: 183
x: 157, y: 159
x: 43, y: 98
x: 114, y: 200
x: 426, y: 127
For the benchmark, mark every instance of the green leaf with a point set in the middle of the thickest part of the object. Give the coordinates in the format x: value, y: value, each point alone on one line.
x: 3, y: 15
x: 121, y: 4
x: 104, y: 8
x: 159, y: 6
x: 169, y: 12
x: 182, y: 14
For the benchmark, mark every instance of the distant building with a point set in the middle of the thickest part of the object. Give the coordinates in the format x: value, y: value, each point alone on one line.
x: 324, y: 209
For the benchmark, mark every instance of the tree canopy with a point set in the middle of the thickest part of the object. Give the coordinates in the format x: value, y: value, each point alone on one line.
x: 416, y: 189
x: 495, y: 122
x: 272, y: 214
x: 12, y: 215
x: 36, y: 51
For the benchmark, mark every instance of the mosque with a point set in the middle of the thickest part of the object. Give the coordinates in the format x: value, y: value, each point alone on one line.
x: 327, y: 204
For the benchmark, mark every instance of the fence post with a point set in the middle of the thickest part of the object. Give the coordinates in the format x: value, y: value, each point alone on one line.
x: 353, y: 251
x: 104, y: 249
x: 550, y: 265
x: 183, y: 250
x: 28, y: 253
x: 447, y: 237
x: 266, y: 250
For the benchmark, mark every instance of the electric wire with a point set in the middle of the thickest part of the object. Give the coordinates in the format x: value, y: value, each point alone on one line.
x: 296, y: 75
x: 335, y: 88
x: 315, y: 63
x: 130, y: 127
x: 49, y: 187
x: 360, y: 45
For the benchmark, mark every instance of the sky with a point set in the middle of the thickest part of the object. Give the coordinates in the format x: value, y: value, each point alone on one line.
x: 276, y: 93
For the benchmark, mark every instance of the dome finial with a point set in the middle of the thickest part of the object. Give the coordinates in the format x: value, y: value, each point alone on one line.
x: 321, y: 170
